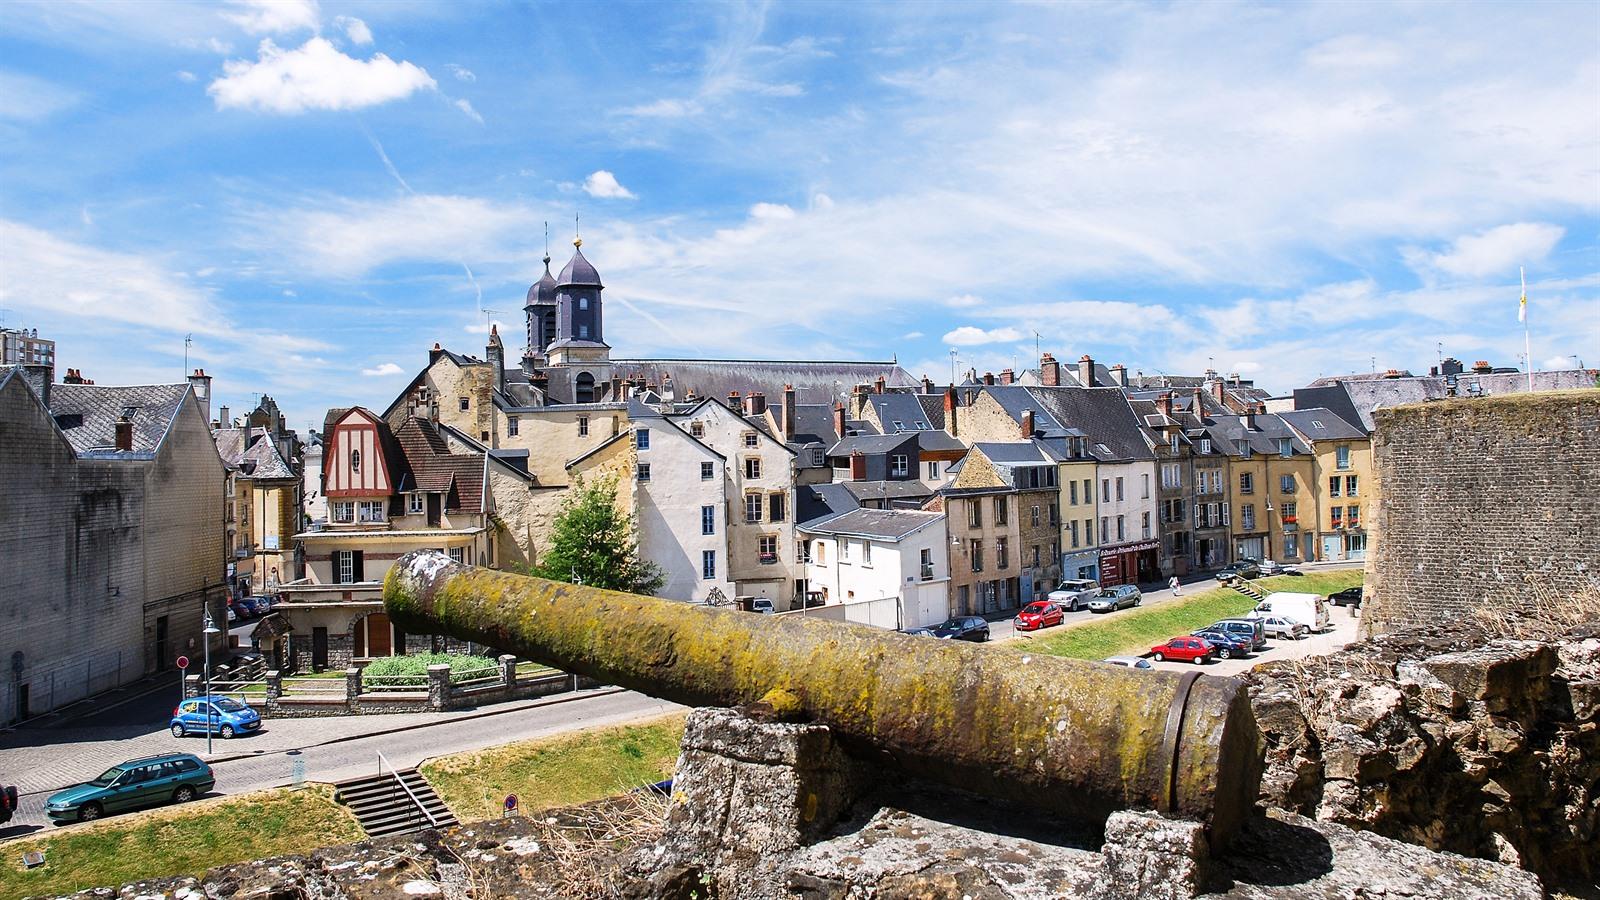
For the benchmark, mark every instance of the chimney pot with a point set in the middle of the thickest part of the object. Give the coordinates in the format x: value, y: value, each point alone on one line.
x: 879, y: 385
x: 1049, y: 371
x: 124, y: 433
x: 927, y: 385
x: 1007, y: 376
x: 988, y: 378
x: 1392, y: 373
x: 1086, y: 371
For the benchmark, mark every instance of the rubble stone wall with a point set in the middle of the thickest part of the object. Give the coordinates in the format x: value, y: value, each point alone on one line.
x: 1483, y: 501
x: 1448, y: 738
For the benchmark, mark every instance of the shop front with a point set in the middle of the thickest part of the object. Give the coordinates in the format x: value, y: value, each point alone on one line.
x: 1129, y: 563
x: 1083, y: 565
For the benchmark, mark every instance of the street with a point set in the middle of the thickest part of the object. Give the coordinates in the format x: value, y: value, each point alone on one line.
x: 41, y: 760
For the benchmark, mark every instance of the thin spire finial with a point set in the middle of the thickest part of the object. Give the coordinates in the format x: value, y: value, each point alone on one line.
x: 547, y: 244
x: 577, y: 239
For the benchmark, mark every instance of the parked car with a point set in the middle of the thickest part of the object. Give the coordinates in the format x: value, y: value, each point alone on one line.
x: 1279, y: 627
x: 1310, y: 610
x: 1073, y: 595
x: 959, y: 628
x: 8, y: 803
x: 223, y: 715
x: 1115, y: 598
x: 1241, y: 569
x: 233, y: 614
x: 152, y: 780
x: 1038, y: 614
x: 257, y: 605
x: 1250, y: 628
x: 1267, y: 566
x: 1129, y: 662
x: 762, y: 605
x: 1190, y: 649
x: 1346, y: 597
x: 1228, y: 644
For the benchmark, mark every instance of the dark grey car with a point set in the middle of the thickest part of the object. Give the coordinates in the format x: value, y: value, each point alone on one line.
x: 1249, y: 629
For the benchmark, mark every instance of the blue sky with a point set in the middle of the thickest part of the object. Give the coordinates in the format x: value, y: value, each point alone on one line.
x: 319, y: 192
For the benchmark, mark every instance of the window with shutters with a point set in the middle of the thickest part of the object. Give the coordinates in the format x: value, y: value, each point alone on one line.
x: 347, y: 566
x: 1227, y: 517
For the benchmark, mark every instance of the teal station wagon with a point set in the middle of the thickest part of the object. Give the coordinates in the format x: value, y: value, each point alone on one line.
x: 151, y: 781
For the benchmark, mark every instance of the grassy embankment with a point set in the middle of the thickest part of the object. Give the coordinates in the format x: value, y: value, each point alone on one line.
x: 557, y: 771
x: 1135, y: 631
x: 177, y: 840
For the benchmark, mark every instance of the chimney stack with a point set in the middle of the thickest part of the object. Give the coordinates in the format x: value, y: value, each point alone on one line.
x: 74, y: 376
x: 1164, y: 404
x: 1007, y: 376
x: 435, y: 353
x: 1119, y: 375
x: 927, y: 385
x: 223, y: 417
x: 1219, y: 392
x: 496, y: 354
x: 1450, y: 366
x: 1027, y: 425
x: 838, y: 419
x: 38, y: 376
x: 788, y: 412
x: 1392, y: 373
x: 988, y: 379
x: 1086, y: 371
x: 124, y: 433
x: 950, y: 410
x: 758, y: 403
x: 1049, y: 371
x: 879, y: 385
x: 858, y: 466
x: 733, y: 401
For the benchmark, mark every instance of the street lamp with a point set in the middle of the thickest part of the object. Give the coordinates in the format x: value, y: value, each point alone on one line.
x: 209, y: 630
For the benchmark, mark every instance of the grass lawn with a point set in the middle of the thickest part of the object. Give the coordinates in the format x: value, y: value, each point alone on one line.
x: 177, y: 840
x: 559, y: 771
x: 1137, y: 630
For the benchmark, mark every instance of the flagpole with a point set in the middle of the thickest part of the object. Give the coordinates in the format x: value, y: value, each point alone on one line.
x: 1527, y: 345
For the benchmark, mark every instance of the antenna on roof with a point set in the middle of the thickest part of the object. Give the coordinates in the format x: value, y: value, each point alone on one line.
x: 188, y: 339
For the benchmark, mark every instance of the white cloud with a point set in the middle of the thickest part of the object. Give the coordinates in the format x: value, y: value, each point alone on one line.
x: 462, y: 73
x: 466, y: 107
x: 604, y: 184
x: 187, y: 77
x: 1497, y: 251
x: 387, y: 368
x: 970, y: 336
x: 355, y: 29
x: 665, y: 108
x: 964, y: 301
x: 771, y: 211
x: 274, y: 16
x: 316, y: 76
x: 911, y: 335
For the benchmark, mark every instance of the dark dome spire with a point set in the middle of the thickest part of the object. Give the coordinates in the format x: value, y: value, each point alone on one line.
x: 579, y: 271
x: 543, y: 291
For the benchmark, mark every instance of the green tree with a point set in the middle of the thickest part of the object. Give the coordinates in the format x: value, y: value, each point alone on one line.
x: 595, y: 543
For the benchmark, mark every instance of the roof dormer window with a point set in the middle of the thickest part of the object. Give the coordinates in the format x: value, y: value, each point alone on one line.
x: 355, y: 460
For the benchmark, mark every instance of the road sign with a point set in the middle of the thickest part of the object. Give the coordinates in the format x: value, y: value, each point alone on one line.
x: 183, y: 662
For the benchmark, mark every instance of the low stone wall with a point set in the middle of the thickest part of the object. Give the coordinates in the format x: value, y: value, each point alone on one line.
x: 357, y: 698
x: 1448, y: 738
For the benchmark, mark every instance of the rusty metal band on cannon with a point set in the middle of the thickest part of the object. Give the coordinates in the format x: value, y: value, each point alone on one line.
x: 1067, y: 736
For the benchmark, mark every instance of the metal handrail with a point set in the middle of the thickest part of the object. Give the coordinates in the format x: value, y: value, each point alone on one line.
x: 384, y: 761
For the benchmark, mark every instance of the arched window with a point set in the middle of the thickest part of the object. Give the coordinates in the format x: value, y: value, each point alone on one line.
x: 355, y: 460
x: 583, y: 388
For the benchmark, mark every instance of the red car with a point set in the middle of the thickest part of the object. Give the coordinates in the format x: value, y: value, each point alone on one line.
x: 1038, y: 614
x: 1192, y: 649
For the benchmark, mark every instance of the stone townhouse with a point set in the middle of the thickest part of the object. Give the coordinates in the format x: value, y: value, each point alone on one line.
x: 264, y: 509
x: 389, y: 491
x: 1211, y: 507
x: 1124, y: 483
x: 1342, y: 456
x: 1169, y: 429
x: 888, y: 568
x: 1004, y: 520
x: 111, y: 526
x: 1273, y: 486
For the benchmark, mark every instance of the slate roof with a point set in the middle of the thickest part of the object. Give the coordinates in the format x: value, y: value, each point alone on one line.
x: 262, y: 451
x: 1263, y: 437
x: 871, y: 444
x: 87, y: 413
x: 1355, y: 399
x: 543, y: 291
x: 815, y: 502
x: 813, y: 424
x: 1102, y: 414
x: 430, y: 466
x: 814, y: 381
x: 938, y: 440
x: 905, y: 409
x: 1321, y: 425
x: 578, y: 270
x: 891, y: 524
x: 886, y: 490
x: 1014, y: 453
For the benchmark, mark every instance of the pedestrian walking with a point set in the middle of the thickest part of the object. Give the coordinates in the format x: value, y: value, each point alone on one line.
x: 1174, y: 585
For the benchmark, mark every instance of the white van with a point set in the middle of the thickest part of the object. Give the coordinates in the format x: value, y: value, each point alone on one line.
x: 1310, y: 610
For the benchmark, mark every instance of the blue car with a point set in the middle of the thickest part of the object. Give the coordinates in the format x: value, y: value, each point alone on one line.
x: 170, y: 778
x: 221, y: 715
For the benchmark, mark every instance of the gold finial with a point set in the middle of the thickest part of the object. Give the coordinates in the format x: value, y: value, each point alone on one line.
x: 577, y: 241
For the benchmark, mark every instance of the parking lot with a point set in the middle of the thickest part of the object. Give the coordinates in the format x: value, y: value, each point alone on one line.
x: 1343, y: 632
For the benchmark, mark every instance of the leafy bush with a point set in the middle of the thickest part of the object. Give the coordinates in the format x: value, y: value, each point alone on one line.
x: 413, y: 670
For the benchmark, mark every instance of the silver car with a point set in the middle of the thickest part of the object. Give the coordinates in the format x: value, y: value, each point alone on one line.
x: 1072, y: 595
x: 1113, y: 598
x: 1279, y: 627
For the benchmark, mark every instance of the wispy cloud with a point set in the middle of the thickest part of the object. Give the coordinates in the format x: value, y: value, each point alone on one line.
x: 381, y: 370
x: 1494, y: 251
x: 274, y: 16
x: 969, y: 336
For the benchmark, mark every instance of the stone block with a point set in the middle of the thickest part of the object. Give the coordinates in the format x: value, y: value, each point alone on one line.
x: 1506, y: 676
x: 1154, y: 858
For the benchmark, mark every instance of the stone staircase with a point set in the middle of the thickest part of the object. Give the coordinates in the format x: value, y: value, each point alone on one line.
x: 1246, y: 588
x: 384, y: 807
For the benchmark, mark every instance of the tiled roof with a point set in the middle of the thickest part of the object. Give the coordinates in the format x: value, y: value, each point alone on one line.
x: 893, y: 524
x: 87, y: 413
x: 814, y: 381
x: 433, y: 468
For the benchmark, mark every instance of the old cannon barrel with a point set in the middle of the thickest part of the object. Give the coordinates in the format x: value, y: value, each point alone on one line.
x: 1067, y: 736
